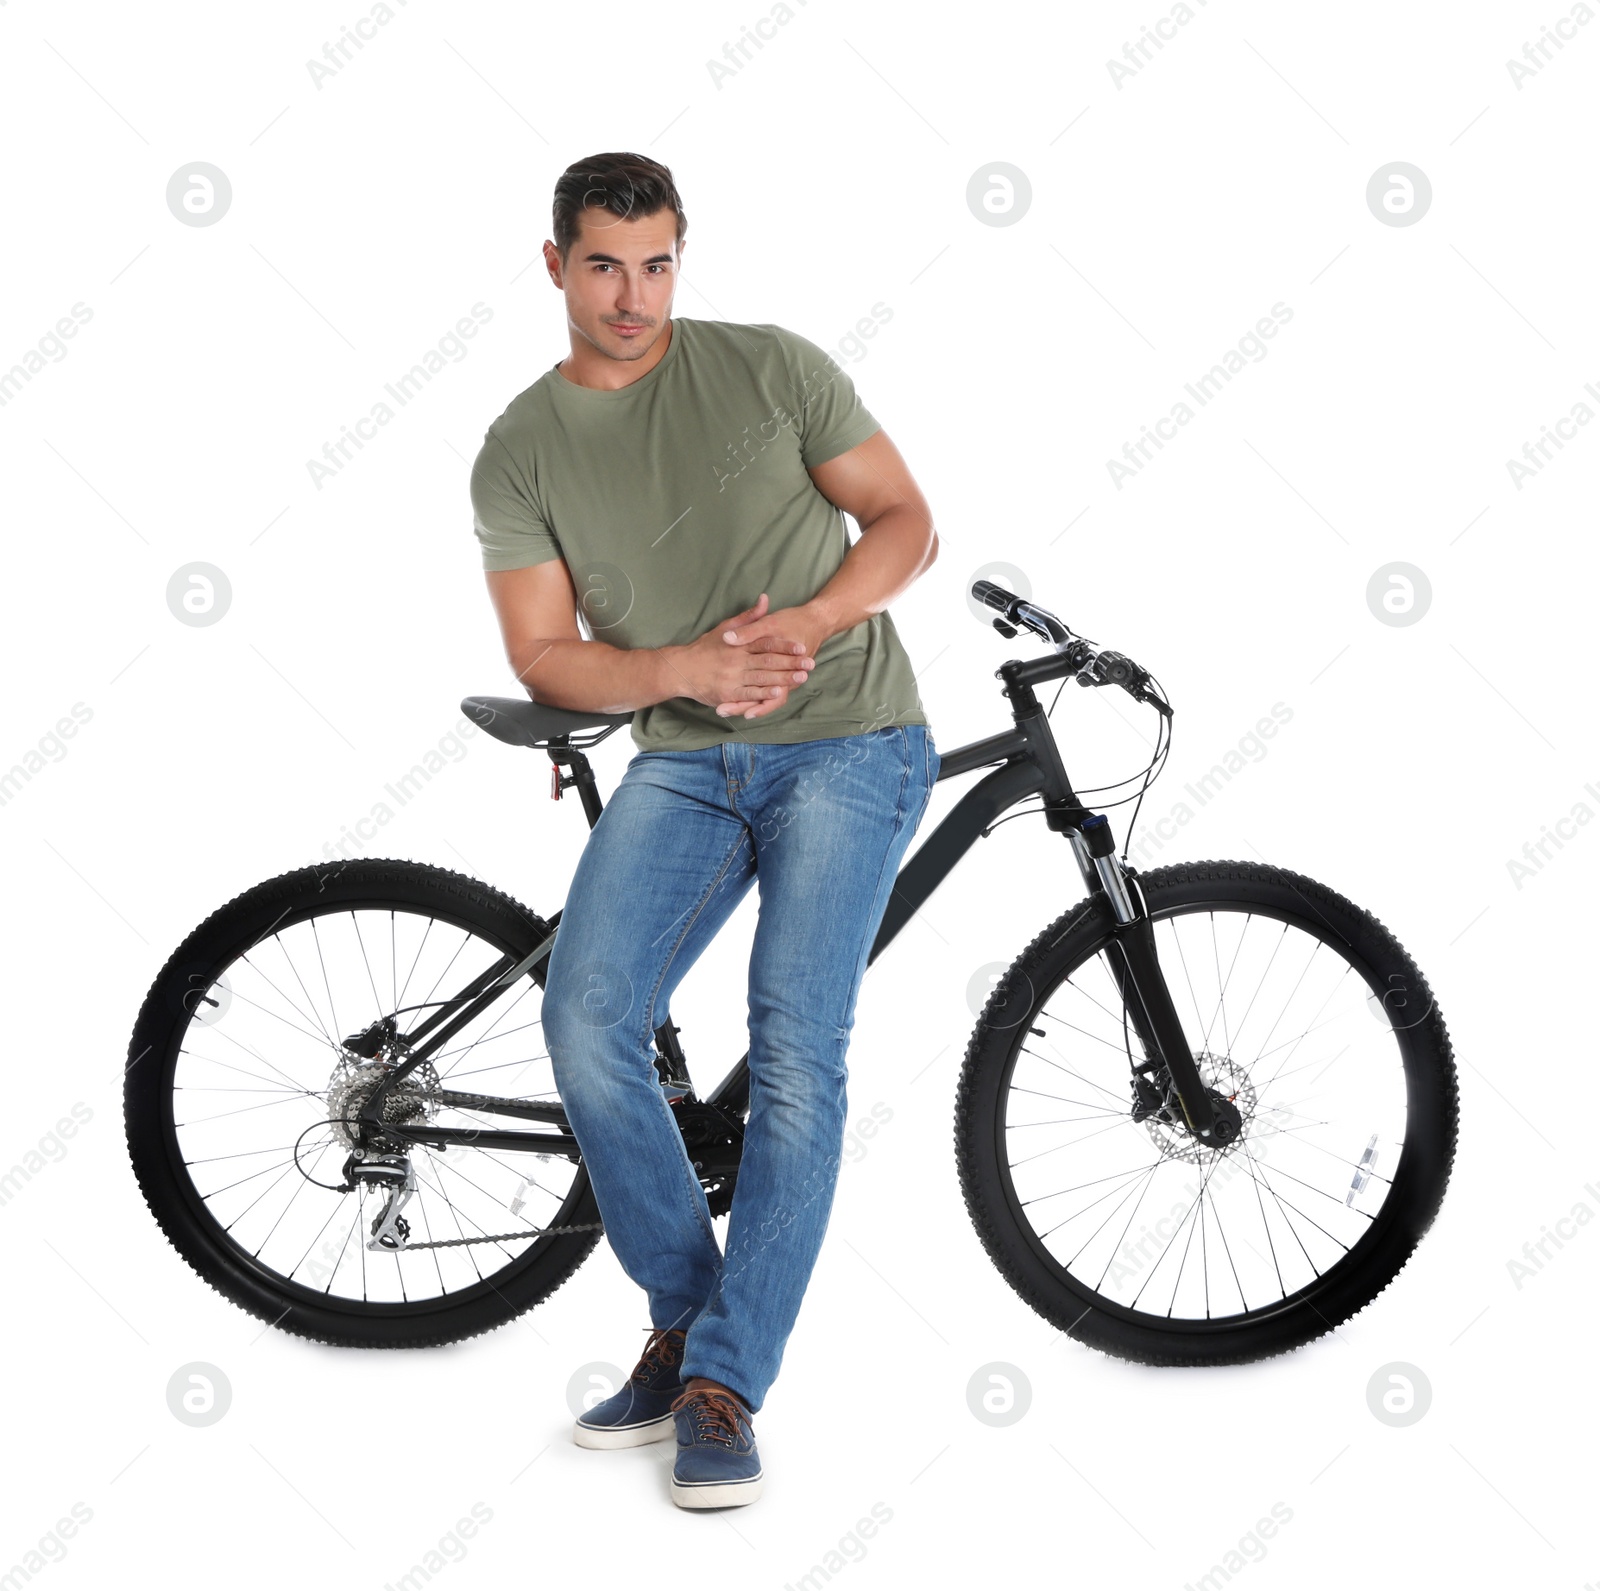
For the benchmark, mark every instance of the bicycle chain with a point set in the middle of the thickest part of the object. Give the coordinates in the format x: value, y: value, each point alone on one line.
x: 506, y: 1237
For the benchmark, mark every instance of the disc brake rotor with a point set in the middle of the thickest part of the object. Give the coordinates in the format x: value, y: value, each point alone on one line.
x: 1225, y: 1078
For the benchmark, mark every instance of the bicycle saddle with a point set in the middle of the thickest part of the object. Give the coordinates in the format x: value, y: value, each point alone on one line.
x: 520, y: 722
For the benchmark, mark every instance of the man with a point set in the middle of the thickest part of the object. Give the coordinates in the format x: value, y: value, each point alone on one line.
x: 687, y: 477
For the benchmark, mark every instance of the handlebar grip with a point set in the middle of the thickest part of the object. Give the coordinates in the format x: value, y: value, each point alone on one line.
x: 993, y: 596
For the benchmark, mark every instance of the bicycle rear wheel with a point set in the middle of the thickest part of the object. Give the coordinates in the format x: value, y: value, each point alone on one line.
x: 238, y: 1080
x: 1131, y: 1235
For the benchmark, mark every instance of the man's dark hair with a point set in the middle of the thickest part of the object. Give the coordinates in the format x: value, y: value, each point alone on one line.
x: 629, y: 186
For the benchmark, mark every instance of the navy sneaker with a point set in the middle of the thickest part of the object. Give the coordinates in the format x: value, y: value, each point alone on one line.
x: 717, y: 1464
x: 641, y: 1409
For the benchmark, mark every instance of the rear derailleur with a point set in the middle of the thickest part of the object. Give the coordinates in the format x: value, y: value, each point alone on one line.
x: 389, y: 1228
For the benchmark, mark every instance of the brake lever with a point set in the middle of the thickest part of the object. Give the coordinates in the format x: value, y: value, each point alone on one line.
x: 1164, y: 708
x: 1112, y: 668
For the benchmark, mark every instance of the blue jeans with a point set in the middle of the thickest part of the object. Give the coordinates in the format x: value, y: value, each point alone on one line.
x: 822, y: 825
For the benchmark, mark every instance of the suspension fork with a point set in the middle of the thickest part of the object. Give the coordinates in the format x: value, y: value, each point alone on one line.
x: 1139, y: 978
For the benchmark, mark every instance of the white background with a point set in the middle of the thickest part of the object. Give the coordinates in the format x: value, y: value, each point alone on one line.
x: 829, y: 173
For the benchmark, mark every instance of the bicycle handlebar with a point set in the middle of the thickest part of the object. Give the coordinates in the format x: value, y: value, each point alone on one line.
x: 1091, y: 664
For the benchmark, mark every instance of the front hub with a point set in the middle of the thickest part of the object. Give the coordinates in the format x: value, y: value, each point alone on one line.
x: 1233, y: 1102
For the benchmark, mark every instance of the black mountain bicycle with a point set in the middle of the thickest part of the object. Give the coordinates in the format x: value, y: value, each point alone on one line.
x: 1204, y: 1117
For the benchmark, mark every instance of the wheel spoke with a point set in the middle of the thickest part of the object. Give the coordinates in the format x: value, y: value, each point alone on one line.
x: 1122, y: 1236
x: 1071, y: 1143
x: 1121, y: 1099
x: 277, y: 939
x: 522, y: 994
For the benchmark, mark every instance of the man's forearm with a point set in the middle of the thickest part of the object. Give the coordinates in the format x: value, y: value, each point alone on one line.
x: 890, y: 553
x: 594, y: 676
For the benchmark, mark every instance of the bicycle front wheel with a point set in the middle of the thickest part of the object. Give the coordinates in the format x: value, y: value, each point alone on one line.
x: 1126, y: 1231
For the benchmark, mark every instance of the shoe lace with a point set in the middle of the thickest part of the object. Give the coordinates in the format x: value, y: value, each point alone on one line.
x: 716, y: 1414
x: 660, y: 1347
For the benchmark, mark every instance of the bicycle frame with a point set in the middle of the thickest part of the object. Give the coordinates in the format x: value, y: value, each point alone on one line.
x: 1029, y: 763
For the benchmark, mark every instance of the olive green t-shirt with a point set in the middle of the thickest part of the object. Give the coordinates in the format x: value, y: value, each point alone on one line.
x: 678, y: 499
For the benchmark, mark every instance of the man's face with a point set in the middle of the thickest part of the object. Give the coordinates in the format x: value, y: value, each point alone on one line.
x: 619, y: 275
